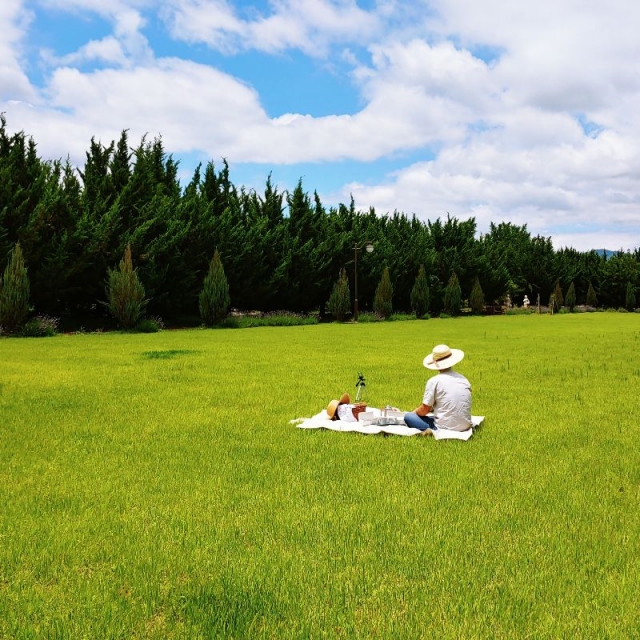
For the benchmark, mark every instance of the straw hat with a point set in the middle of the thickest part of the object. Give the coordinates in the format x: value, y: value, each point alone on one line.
x: 345, y: 398
x: 442, y: 357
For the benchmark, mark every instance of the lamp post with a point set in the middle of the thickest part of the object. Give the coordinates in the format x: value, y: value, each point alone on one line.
x: 368, y: 247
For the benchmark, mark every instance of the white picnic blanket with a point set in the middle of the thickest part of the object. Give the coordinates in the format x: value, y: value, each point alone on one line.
x: 321, y: 421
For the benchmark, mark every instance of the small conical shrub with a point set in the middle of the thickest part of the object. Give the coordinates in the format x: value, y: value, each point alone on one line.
x: 125, y: 293
x: 420, y: 294
x: 339, y: 303
x: 214, y: 299
x: 382, y: 302
x: 14, y: 292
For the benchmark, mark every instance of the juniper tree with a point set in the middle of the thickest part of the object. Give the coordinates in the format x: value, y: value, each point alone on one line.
x: 214, y: 298
x: 476, y: 299
x: 382, y: 302
x: 420, y: 294
x: 557, y: 296
x: 125, y: 294
x: 339, y: 303
x: 453, y: 296
x: 570, y: 300
x: 14, y: 292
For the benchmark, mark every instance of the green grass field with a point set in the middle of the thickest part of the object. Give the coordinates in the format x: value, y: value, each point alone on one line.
x: 152, y: 487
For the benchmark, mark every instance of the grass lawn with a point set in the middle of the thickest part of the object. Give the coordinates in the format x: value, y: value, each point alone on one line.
x: 152, y: 487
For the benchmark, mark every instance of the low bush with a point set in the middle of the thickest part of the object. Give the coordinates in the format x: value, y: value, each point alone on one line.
x: 519, y: 311
x: 150, y: 325
x: 230, y: 322
x: 271, y: 319
x: 279, y: 319
x: 368, y: 316
x: 394, y: 317
x: 41, y: 327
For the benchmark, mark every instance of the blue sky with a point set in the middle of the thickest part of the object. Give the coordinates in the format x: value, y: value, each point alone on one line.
x: 521, y: 112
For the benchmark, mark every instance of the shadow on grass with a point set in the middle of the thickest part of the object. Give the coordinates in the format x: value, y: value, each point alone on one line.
x: 166, y: 354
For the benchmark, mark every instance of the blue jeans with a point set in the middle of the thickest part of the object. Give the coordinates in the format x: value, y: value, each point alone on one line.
x: 415, y: 421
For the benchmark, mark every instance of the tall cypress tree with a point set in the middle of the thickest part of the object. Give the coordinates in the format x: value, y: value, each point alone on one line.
x: 14, y: 292
x: 453, y: 296
x: 125, y: 293
x: 214, y: 298
x: 570, y: 300
x: 382, y: 302
x: 420, y: 294
x: 558, y: 298
x: 339, y: 303
x: 476, y: 299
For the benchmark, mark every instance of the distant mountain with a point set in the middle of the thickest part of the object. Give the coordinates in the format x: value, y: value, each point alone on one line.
x: 605, y: 252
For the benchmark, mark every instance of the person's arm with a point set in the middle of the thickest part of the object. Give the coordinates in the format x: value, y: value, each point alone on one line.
x: 428, y: 400
x: 423, y: 409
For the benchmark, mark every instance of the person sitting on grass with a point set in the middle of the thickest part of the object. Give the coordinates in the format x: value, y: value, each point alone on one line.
x: 447, y: 395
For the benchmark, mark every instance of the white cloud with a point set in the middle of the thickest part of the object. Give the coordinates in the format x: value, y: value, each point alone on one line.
x: 197, y: 107
x: 14, y: 21
x: 603, y: 238
x: 126, y: 46
x: 108, y: 50
x: 547, y: 187
x: 210, y: 21
x: 188, y: 104
x: 555, y: 54
x: 309, y: 25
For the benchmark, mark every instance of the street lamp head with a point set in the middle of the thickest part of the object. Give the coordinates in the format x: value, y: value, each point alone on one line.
x: 369, y: 247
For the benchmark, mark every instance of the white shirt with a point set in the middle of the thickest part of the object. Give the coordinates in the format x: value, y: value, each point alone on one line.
x: 449, y: 393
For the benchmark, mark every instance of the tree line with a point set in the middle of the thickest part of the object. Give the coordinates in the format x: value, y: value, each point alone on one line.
x: 280, y: 249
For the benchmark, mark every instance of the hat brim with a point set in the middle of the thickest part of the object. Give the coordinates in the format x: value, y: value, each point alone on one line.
x: 439, y: 365
x: 345, y: 398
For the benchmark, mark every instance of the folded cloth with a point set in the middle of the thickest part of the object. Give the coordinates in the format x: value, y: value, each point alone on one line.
x: 322, y: 421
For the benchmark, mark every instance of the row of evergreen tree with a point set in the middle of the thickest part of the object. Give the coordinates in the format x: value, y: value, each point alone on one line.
x: 280, y: 250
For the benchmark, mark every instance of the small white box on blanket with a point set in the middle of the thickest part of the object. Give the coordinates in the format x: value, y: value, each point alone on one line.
x: 384, y: 421
x: 381, y: 418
